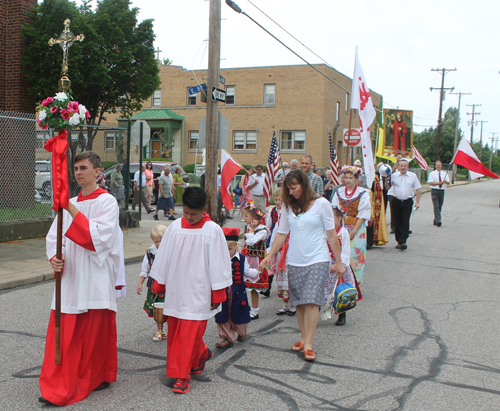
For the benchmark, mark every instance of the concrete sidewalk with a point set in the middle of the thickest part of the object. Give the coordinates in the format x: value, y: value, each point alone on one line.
x: 24, y: 262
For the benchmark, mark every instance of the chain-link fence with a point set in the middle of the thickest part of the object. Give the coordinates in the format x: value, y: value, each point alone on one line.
x: 25, y: 166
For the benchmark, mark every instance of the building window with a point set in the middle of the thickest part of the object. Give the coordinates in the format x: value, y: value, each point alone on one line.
x: 192, y: 99
x: 110, y: 140
x: 230, y: 94
x: 193, y: 140
x: 337, y: 112
x: 245, y: 140
x: 269, y: 94
x: 157, y: 98
x: 293, y: 141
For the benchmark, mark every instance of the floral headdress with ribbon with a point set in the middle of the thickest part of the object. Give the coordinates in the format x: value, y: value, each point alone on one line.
x: 351, y: 169
x: 251, y: 206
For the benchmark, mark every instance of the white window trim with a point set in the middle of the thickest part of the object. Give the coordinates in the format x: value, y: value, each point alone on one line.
x: 193, y: 150
x: 246, y: 150
x: 234, y: 96
x: 115, y: 140
x: 292, y: 150
x: 273, y: 103
x: 154, y: 97
x: 190, y: 96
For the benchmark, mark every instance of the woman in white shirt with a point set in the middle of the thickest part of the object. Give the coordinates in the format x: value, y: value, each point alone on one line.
x: 309, y: 219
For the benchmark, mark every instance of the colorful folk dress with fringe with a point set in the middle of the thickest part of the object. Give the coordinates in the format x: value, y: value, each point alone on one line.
x: 151, y: 297
x: 255, y: 252
x: 357, y: 204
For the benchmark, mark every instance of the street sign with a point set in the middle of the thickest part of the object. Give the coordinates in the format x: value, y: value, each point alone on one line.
x: 223, y: 141
x: 355, y: 140
x: 222, y: 80
x: 197, y: 89
x: 136, y: 133
x: 218, y: 94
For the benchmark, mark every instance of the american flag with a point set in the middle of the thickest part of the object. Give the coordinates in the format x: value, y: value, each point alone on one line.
x: 420, y: 160
x: 273, y: 165
x: 334, y: 161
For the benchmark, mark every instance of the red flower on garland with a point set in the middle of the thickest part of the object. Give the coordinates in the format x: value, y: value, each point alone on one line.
x: 237, y: 282
x: 236, y: 264
x: 243, y: 303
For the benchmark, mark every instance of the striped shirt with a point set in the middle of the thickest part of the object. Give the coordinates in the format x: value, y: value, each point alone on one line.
x: 316, y: 183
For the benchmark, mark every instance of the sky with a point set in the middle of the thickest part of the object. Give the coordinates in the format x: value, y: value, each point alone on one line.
x: 399, y: 42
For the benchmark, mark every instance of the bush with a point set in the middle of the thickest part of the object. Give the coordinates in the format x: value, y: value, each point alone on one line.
x: 189, y: 168
x: 107, y: 164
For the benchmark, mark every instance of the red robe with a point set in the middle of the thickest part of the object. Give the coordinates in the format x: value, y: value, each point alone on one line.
x: 185, y: 345
x: 400, y: 132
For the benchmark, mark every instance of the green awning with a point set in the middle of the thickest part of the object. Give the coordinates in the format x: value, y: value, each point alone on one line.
x: 156, y: 114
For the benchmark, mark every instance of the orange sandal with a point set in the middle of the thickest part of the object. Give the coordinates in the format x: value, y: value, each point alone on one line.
x: 298, y: 346
x: 224, y: 344
x: 309, y: 355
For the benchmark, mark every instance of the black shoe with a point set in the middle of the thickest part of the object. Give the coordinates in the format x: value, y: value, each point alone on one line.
x: 255, y: 317
x: 398, y: 247
x: 155, y: 217
x: 341, y: 320
x: 171, y: 217
x: 439, y: 224
x: 291, y: 313
x: 266, y: 293
x: 103, y: 386
x: 44, y: 401
x: 393, y: 232
x: 403, y: 246
x: 410, y: 232
x: 282, y: 312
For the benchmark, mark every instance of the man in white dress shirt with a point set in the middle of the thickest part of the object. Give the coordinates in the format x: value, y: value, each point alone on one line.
x: 404, y: 183
x: 256, y: 187
x: 438, y: 180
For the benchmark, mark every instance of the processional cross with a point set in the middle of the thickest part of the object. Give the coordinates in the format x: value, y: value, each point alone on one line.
x: 66, y: 40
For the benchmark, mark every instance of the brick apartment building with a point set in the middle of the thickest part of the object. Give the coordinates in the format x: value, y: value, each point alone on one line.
x: 296, y: 100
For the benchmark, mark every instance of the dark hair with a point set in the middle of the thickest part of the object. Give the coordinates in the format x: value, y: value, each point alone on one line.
x: 310, y: 158
x: 259, y: 166
x: 194, y: 198
x: 337, y: 213
x: 298, y: 205
x: 147, y: 164
x: 253, y: 214
x: 93, y: 157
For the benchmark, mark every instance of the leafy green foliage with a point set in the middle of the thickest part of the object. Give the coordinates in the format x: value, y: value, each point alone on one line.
x: 113, y: 69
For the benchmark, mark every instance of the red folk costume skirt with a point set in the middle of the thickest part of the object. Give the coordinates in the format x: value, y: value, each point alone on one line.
x: 88, y: 356
x: 263, y: 281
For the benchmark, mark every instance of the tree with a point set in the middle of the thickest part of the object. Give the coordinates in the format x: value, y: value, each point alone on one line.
x: 167, y: 62
x: 113, y: 70
x: 425, y: 141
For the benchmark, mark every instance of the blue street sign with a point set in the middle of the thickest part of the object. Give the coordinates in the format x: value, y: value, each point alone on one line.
x: 197, y: 89
x: 222, y: 79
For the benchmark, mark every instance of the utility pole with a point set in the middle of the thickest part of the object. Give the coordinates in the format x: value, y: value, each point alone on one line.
x: 492, y: 144
x: 212, y: 107
x: 456, y: 132
x: 441, y: 98
x: 472, y: 121
x: 481, y: 141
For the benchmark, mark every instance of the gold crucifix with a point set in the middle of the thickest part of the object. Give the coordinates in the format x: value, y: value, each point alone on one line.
x: 66, y: 40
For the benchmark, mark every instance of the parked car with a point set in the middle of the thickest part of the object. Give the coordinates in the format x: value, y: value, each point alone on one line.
x: 158, y: 167
x: 43, y: 182
x: 38, y: 197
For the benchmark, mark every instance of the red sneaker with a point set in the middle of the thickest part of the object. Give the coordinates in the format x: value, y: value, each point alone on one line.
x: 181, y: 385
x: 208, y: 355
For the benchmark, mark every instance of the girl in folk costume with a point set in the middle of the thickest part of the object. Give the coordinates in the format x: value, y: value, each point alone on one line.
x: 234, y: 317
x: 272, y: 218
x: 151, y: 297
x: 255, y: 251
x: 357, y: 203
x: 345, y: 255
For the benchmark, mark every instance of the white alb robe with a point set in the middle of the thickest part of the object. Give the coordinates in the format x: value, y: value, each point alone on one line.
x: 89, y: 277
x: 192, y: 263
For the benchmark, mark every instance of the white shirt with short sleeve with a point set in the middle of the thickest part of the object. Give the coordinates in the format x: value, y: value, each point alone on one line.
x: 307, y: 244
x: 403, y: 185
x: 434, y: 178
x: 258, y: 189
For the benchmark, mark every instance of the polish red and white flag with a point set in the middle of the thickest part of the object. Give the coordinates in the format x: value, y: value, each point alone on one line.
x: 362, y: 101
x: 466, y: 157
x: 228, y: 169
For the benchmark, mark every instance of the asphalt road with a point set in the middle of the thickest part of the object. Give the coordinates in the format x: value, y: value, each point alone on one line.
x: 425, y: 337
